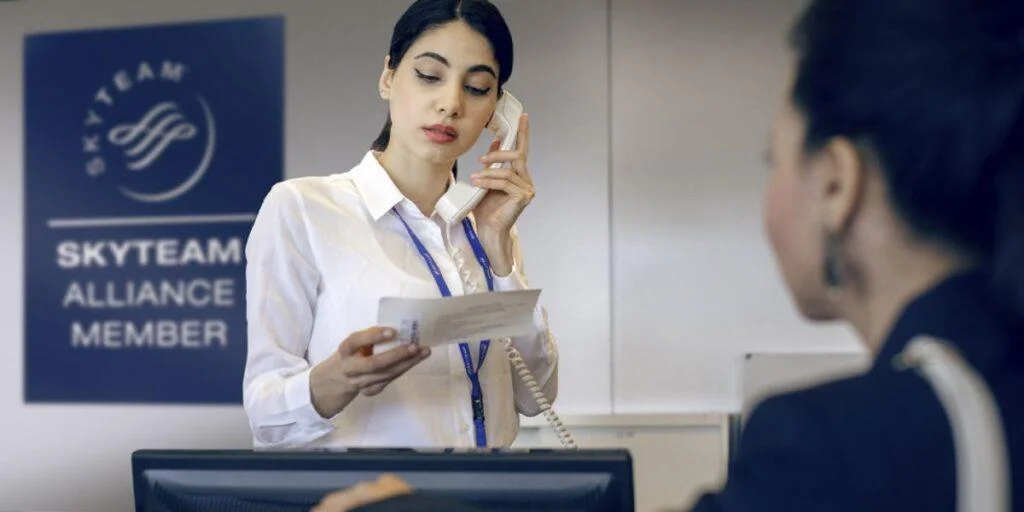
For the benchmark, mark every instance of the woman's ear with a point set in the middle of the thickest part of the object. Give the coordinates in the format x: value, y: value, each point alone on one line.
x: 841, y: 173
x: 385, y: 79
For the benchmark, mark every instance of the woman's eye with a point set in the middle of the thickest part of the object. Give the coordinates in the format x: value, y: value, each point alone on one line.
x: 426, y: 78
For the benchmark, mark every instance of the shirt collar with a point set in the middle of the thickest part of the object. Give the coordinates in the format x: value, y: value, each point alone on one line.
x: 375, y: 186
x: 378, y: 190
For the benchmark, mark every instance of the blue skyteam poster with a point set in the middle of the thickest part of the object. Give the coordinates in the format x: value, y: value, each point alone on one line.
x: 148, y: 151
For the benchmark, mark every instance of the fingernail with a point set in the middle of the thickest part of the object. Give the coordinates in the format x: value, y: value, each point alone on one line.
x: 413, y: 349
x: 388, y: 332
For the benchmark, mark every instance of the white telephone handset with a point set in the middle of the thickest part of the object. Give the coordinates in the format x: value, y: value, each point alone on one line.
x: 461, y: 198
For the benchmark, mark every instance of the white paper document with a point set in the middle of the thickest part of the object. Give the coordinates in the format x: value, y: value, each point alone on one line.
x: 445, y: 320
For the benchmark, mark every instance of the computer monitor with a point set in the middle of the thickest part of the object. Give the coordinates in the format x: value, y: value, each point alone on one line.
x: 287, y: 481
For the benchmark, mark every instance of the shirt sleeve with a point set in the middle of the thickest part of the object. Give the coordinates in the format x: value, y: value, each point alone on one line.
x: 538, y: 349
x: 282, y: 284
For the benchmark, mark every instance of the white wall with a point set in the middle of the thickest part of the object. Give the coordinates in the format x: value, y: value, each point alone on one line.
x: 694, y: 88
x: 648, y: 120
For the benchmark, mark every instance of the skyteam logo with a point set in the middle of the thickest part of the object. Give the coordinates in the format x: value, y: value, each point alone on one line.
x: 148, y: 133
x: 148, y: 152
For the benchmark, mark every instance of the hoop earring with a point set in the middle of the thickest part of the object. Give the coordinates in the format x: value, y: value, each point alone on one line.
x: 833, y: 269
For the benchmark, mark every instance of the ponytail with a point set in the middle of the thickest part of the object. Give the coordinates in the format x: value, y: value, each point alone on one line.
x: 381, y: 143
x: 1007, y: 175
x: 1008, y: 253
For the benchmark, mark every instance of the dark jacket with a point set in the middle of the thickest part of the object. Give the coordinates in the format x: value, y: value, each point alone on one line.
x: 881, y: 441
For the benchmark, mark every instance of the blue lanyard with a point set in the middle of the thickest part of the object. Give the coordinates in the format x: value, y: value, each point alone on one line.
x: 476, y: 392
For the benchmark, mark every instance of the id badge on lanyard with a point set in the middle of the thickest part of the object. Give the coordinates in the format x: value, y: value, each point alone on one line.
x: 476, y: 390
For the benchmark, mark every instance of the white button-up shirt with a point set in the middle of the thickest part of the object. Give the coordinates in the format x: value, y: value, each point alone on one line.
x: 321, y: 253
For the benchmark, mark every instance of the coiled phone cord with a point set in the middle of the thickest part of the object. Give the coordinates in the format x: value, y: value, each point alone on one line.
x: 531, y: 383
x: 520, y: 367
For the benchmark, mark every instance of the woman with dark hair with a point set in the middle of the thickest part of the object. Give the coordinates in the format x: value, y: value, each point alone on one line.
x: 896, y: 205
x: 324, y: 250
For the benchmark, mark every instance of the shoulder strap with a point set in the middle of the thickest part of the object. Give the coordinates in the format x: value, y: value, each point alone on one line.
x: 982, y: 468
